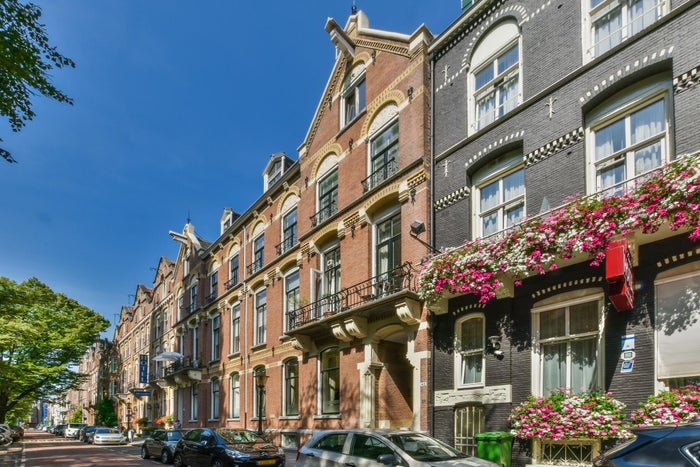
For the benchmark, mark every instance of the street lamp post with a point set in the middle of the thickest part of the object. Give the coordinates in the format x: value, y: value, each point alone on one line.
x: 260, y: 380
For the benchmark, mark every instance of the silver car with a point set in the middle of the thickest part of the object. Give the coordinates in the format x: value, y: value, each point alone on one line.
x: 105, y: 435
x: 387, y: 447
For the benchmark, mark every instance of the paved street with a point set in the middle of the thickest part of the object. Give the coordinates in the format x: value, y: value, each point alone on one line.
x: 39, y: 449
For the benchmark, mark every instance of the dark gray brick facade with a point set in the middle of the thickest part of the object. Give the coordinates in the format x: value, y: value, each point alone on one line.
x: 554, y: 151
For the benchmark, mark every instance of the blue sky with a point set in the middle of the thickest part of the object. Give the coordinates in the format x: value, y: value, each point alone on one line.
x: 178, y: 106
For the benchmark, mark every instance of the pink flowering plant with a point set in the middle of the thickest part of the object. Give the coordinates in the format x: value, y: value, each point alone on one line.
x: 564, y: 415
x: 669, y: 407
x: 670, y: 195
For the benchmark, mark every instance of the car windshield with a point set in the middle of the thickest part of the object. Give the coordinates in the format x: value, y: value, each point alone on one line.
x: 424, y: 448
x: 240, y: 436
x: 173, y: 435
x: 106, y: 430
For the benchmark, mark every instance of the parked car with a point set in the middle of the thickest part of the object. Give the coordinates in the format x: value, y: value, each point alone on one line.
x: 381, y: 447
x: 89, y: 435
x: 226, y: 447
x: 161, y: 444
x: 6, y: 431
x: 667, y: 445
x: 104, y: 435
x: 73, y: 430
x: 83, y: 434
x: 19, y: 429
x: 59, y: 429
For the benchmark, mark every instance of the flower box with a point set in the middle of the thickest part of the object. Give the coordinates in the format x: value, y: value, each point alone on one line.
x: 570, y: 452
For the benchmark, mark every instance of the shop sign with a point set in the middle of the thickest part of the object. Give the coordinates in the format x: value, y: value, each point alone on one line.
x: 618, y: 272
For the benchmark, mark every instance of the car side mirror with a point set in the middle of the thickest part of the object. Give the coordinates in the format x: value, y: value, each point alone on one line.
x: 389, y: 459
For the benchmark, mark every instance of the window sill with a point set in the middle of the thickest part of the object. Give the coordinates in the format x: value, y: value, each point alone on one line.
x: 234, y: 419
x: 290, y: 417
x: 327, y: 417
x: 233, y: 355
x: 212, y: 420
x: 258, y: 347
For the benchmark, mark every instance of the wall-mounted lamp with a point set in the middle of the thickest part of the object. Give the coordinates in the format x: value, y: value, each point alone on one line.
x: 410, y: 94
x: 306, y: 182
x: 350, y: 143
x: 352, y: 230
x: 495, y: 342
x: 417, y: 228
x: 412, y: 194
x: 374, y: 56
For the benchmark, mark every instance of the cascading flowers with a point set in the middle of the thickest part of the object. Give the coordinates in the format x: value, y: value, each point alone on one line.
x: 564, y: 415
x: 587, y: 225
x: 669, y: 407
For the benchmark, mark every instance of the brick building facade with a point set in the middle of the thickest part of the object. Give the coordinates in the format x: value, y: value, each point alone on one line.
x: 536, y: 104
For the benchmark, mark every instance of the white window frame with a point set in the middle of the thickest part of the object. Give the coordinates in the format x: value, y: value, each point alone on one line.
x: 216, y: 337
x: 459, y: 355
x: 260, y: 327
x: 355, y: 89
x: 389, y: 165
x: 321, y: 382
x: 565, y: 301
x: 487, y: 54
x: 690, y: 271
x: 215, y: 396
x: 595, y: 13
x: 235, y: 328
x: 285, y: 388
x: 194, y: 402
x: 235, y: 396
x: 619, y: 107
x: 287, y: 309
x: 195, y: 342
x: 504, y: 167
x: 288, y: 242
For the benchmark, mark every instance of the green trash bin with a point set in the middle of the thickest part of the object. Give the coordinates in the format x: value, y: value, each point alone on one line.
x: 494, y: 446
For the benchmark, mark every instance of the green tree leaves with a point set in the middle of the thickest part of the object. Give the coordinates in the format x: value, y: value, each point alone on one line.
x: 26, y: 58
x: 43, y: 334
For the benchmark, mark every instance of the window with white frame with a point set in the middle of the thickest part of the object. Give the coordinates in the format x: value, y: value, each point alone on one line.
x: 677, y: 327
x: 384, y: 155
x: 236, y: 328
x: 329, y: 286
x: 213, y: 284
x: 495, y: 74
x: 292, y: 297
x: 327, y: 196
x: 258, y: 253
x: 260, y: 396
x: 215, y: 402
x: 233, y: 266
x: 216, y: 337
x: 499, y: 201
x: 157, y: 326
x: 291, y: 388
x: 629, y: 135
x: 568, y: 338
x: 352, y: 100
x: 469, y: 359
x: 261, y: 317
x: 289, y: 231
x: 194, y: 401
x: 610, y: 22
x: 193, y: 296
x: 274, y: 172
x: 195, y: 342
x: 235, y: 396
x: 330, y: 381
x: 180, y: 304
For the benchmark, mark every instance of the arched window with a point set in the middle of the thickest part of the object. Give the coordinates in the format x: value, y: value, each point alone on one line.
x: 352, y: 101
x: 495, y: 74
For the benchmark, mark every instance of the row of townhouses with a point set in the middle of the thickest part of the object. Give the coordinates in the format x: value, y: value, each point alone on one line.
x: 310, y: 312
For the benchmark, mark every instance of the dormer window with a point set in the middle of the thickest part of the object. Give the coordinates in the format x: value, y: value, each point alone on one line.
x: 277, y: 166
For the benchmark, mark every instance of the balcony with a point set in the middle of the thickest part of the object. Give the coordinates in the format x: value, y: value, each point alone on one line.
x: 255, y: 266
x: 379, y: 175
x: 376, y: 296
x: 286, y: 245
x: 191, y: 308
x: 183, y: 372
x: 323, y: 214
x: 157, y: 379
x: 231, y: 282
x: 211, y: 297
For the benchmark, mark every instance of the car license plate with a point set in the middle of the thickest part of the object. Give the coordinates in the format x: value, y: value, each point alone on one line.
x: 267, y: 462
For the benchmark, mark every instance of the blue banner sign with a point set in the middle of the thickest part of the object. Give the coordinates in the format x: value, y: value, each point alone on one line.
x: 143, y: 369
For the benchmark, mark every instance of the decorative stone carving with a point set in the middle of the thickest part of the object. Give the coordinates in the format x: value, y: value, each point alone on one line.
x: 356, y: 326
x: 409, y: 311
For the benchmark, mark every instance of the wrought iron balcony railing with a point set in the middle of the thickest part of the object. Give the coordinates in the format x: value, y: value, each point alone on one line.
x: 286, y: 244
x: 375, y: 288
x: 231, y: 282
x: 186, y: 363
x: 211, y: 297
x: 323, y: 214
x: 379, y: 175
x: 255, y: 266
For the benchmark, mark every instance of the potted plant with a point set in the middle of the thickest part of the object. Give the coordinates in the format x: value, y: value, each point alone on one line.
x: 669, y: 407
